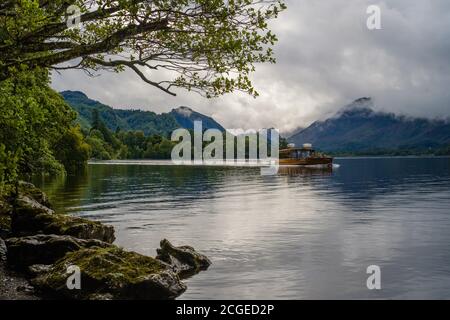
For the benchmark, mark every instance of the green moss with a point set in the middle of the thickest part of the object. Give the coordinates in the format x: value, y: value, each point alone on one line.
x: 114, y: 262
x: 31, y: 218
x: 30, y: 190
x: 64, y: 223
x: 103, y: 270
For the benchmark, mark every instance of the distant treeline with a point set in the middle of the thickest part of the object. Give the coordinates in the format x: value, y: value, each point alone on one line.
x: 121, y: 145
x: 107, y: 145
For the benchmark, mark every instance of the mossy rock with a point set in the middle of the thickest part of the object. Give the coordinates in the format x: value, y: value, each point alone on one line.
x: 30, y: 190
x: 26, y: 204
x: 184, y: 260
x: 114, y: 273
x: 44, y: 249
x: 31, y: 218
x: 3, y: 251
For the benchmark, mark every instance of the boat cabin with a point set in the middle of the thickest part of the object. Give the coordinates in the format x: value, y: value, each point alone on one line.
x: 298, y: 153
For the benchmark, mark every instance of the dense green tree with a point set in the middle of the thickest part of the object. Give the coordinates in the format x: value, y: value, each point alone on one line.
x: 8, y: 167
x: 209, y: 46
x: 107, y: 135
x: 72, y: 150
x: 95, y: 125
x: 98, y: 147
x: 33, y: 118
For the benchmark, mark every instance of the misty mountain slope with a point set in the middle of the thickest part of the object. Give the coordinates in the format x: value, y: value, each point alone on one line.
x: 185, y: 117
x: 146, y: 121
x: 357, y: 128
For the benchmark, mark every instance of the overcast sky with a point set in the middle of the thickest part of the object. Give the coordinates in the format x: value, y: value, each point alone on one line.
x: 327, y: 58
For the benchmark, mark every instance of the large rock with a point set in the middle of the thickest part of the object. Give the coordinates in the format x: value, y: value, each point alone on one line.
x: 27, y: 205
x: 3, y: 251
x: 30, y: 190
x: 30, y: 218
x: 184, y: 260
x: 44, y: 249
x: 39, y: 269
x: 28, y: 199
x: 111, y: 273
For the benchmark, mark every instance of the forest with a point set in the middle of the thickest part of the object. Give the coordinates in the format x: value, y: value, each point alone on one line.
x: 106, y: 145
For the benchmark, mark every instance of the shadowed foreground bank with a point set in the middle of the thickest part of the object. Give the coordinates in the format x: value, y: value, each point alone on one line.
x: 38, y: 246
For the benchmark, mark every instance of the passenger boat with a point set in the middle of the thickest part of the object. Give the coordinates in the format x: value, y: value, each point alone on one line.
x: 305, y: 156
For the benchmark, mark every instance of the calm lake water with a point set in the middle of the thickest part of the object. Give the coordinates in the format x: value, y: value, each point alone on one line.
x: 297, y: 235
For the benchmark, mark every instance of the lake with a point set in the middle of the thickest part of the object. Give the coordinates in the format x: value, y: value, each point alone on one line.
x: 297, y: 235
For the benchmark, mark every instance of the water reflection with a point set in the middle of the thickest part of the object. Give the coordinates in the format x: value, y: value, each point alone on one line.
x: 304, y: 171
x: 300, y: 234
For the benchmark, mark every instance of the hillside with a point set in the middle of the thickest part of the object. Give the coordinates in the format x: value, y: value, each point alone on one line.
x: 358, y: 128
x: 136, y: 120
x: 185, y: 118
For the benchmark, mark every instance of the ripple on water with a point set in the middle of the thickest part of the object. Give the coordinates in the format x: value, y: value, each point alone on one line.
x: 307, y: 235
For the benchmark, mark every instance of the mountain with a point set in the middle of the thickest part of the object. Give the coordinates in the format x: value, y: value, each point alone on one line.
x: 358, y: 128
x: 185, y: 117
x: 146, y: 121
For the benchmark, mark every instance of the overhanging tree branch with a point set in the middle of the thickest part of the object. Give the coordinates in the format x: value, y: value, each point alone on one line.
x: 210, y: 47
x: 133, y: 66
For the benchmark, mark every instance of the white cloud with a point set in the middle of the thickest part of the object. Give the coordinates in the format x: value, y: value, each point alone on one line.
x: 326, y: 58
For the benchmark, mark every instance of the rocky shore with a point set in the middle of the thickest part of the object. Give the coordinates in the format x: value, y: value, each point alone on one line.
x: 39, y: 248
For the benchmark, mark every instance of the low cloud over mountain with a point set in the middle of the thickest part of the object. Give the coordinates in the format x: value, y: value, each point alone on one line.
x: 358, y: 128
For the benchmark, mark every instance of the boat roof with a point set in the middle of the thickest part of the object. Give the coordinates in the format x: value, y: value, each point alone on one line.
x: 297, y: 149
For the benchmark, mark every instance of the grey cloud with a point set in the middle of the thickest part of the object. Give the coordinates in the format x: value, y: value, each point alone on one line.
x: 326, y: 58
